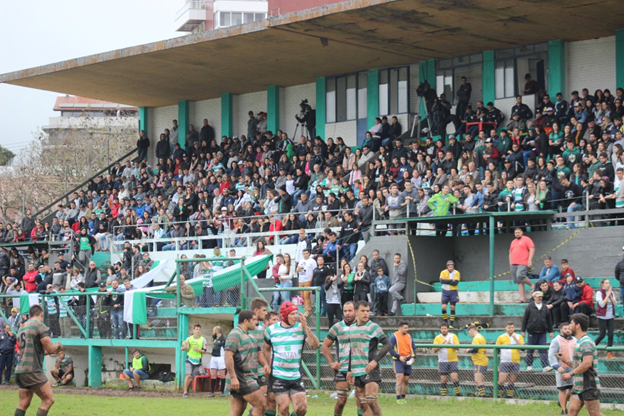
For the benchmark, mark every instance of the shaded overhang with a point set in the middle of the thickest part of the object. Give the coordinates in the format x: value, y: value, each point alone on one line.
x: 298, y: 47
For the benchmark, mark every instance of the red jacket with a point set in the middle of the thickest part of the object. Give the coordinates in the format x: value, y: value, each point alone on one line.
x: 29, y: 281
x: 587, y: 296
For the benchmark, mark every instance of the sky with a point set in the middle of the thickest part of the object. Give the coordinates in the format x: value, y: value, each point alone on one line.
x: 41, y: 32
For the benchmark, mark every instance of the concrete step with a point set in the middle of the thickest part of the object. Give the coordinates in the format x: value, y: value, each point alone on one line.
x: 504, y: 283
x: 467, y: 297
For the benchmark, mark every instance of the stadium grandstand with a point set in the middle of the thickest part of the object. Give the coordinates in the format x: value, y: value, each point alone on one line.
x: 380, y: 134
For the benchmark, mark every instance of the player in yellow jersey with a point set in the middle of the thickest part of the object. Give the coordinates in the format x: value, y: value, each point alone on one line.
x: 479, y: 359
x: 447, y: 360
x: 449, y: 278
x: 509, y: 361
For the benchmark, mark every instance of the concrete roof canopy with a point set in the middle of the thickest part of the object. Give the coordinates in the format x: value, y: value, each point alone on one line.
x: 287, y: 50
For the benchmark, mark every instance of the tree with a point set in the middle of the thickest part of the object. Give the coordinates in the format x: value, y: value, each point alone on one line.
x: 61, y: 158
x: 5, y: 156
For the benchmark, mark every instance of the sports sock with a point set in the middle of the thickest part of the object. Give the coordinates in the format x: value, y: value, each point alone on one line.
x: 502, y: 392
x: 41, y: 412
x: 20, y: 412
x: 212, y: 383
x: 269, y: 413
x: 402, y: 396
x: 359, y: 412
x: 398, y: 397
x: 222, y: 385
x: 452, y: 318
x: 443, y: 389
x: 511, y: 390
x: 481, y: 390
x: 444, y: 315
x: 457, y: 388
x: 293, y: 414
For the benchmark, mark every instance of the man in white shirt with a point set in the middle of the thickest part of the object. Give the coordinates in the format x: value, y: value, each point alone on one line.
x: 305, y: 270
x: 303, y: 244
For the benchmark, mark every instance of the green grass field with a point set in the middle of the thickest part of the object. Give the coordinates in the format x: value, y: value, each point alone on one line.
x: 86, y: 405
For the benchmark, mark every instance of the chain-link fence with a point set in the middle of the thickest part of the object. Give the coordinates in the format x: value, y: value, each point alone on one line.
x: 534, y: 384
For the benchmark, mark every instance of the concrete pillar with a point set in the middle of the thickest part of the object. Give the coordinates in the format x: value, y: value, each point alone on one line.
x: 619, y: 58
x: 556, y: 68
x: 227, y: 114
x: 372, y: 97
x: 273, y: 108
x: 489, y: 79
x: 143, y: 119
x: 321, y: 98
x: 183, y: 322
x: 95, y: 366
x: 183, y: 121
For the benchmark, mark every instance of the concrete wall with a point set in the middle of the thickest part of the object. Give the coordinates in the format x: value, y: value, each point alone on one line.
x: 290, y: 98
x: 256, y: 102
x: 346, y: 129
x: 590, y: 64
x: 159, y: 119
x: 592, y: 253
x: 210, y: 109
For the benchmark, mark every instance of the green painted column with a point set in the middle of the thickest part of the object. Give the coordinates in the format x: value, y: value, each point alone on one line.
x: 427, y: 72
x: 143, y: 119
x: 183, y: 323
x: 95, y: 366
x: 321, y: 102
x: 273, y: 108
x: 489, y: 80
x: 556, y: 67
x: 183, y: 121
x: 619, y: 58
x: 372, y: 97
x: 227, y: 114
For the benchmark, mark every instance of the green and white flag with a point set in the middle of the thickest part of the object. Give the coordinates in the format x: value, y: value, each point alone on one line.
x: 26, y: 301
x: 135, y: 307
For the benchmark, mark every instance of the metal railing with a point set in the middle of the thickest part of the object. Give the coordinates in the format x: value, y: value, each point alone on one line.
x: 191, y: 5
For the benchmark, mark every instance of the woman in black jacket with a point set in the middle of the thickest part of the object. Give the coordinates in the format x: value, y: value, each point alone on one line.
x: 554, y: 303
x: 361, y: 284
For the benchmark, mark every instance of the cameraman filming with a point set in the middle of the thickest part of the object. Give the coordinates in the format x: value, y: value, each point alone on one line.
x: 307, y: 118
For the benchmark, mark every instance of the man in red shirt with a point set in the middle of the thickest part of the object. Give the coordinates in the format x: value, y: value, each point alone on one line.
x: 521, y: 254
x: 586, y: 304
x: 29, y: 278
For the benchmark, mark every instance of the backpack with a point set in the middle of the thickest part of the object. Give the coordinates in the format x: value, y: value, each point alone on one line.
x: 166, y: 376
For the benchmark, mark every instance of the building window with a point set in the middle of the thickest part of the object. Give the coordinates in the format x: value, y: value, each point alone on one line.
x: 226, y: 19
x: 393, y: 91
x: 513, y: 64
x: 449, y: 73
x: 343, y: 96
x: 362, y: 95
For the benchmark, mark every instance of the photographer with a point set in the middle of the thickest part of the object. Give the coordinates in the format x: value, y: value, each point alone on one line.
x: 307, y: 118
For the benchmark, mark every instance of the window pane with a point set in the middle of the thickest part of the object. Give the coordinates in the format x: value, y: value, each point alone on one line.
x: 394, y: 91
x: 476, y: 58
x: 383, y: 92
x: 541, y: 47
x: 237, y: 19
x: 330, y: 97
x: 445, y: 63
x: 362, y: 95
x: 440, y: 83
x: 403, y: 91
x: 504, y: 53
x: 499, y: 76
x: 249, y: 17
x: 341, y: 99
x: 225, y: 19
x: 510, y: 90
x: 351, y: 97
x: 260, y: 16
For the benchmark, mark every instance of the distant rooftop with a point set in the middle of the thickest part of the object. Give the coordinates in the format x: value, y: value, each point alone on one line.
x: 72, y: 102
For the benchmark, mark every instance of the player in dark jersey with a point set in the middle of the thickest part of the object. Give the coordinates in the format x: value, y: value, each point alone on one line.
x: 34, y: 343
x: 339, y: 334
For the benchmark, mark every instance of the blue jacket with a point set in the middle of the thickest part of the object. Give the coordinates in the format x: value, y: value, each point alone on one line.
x: 551, y: 276
x: 382, y: 285
x: 572, y: 293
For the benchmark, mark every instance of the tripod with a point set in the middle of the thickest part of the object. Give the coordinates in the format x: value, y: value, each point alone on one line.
x: 304, y: 130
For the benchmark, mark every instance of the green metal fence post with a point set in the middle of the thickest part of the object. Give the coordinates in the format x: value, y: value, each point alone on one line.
x: 242, y: 289
x: 88, y: 317
x: 495, y: 364
x: 318, y: 335
x: 492, y: 231
x: 177, y: 274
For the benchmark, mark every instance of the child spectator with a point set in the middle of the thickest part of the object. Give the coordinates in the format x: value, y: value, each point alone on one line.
x: 571, y: 295
x: 565, y: 269
x: 382, y: 284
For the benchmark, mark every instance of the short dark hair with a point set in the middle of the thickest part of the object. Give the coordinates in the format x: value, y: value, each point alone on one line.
x: 361, y: 304
x: 580, y: 319
x: 35, y: 310
x: 246, y: 315
x: 444, y: 324
x: 197, y: 326
x: 510, y: 323
x: 403, y: 323
x: 270, y: 314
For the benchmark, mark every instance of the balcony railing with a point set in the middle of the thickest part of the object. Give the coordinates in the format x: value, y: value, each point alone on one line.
x: 191, y: 5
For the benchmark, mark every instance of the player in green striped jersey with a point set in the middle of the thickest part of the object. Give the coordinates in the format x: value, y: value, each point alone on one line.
x: 585, y: 363
x: 259, y: 307
x: 34, y: 343
x: 339, y: 334
x: 241, y: 361
x: 284, y: 343
x: 271, y: 318
x: 365, y: 337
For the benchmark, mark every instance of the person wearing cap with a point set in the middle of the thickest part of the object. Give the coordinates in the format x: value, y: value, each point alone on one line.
x: 449, y: 278
x: 586, y: 303
x: 14, y: 319
x: 102, y: 313
x: 579, y: 113
x: 537, y: 322
x: 285, y: 341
